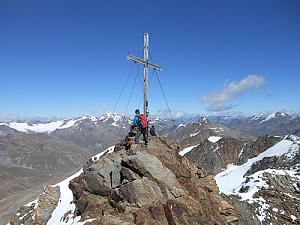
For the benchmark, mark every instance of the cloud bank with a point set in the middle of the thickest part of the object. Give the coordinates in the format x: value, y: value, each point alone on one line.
x: 219, y: 101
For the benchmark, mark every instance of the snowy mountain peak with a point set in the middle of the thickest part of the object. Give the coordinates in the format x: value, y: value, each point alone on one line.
x: 40, y: 127
x: 51, y: 126
x: 257, y: 117
x: 113, y: 116
x: 275, y: 115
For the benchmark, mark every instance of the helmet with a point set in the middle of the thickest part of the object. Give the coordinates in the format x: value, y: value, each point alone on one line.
x: 137, y: 111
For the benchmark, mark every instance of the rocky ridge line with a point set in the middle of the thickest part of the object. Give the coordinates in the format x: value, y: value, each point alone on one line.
x: 152, y: 185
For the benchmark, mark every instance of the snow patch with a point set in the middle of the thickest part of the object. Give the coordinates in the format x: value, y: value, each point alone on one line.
x: 231, y: 180
x: 235, y: 173
x: 293, y: 218
x: 271, y: 116
x: 115, y: 117
x: 214, y: 139
x: 186, y: 150
x: 195, y: 134
x: 275, y: 210
x: 257, y: 117
x: 41, y: 127
x: 217, y: 129
x: 109, y: 150
x: 180, y: 125
x: 48, y: 127
x: 65, y: 203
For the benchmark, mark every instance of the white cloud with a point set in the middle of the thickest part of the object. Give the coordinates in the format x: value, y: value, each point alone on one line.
x: 219, y: 99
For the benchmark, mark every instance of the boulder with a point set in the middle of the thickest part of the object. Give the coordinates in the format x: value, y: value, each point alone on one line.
x: 150, y: 166
x: 38, y: 213
x: 141, y: 192
x: 46, y: 204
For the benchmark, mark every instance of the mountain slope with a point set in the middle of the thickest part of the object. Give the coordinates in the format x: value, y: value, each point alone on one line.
x: 192, y: 133
x: 269, y: 182
x: 34, y: 153
x: 277, y: 123
x: 28, y: 161
x: 215, y: 152
x: 260, y: 176
x: 151, y: 185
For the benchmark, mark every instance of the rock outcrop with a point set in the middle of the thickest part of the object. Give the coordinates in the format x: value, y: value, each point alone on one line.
x: 145, y: 186
x: 149, y: 185
x: 40, y: 211
x: 266, y: 186
x: 214, y: 157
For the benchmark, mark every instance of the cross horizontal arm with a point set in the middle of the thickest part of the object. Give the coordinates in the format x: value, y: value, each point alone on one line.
x: 141, y: 61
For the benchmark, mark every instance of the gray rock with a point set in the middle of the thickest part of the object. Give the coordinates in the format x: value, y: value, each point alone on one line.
x: 47, y: 202
x: 109, y: 170
x: 127, y: 174
x: 148, y: 165
x: 141, y: 192
x: 96, y: 185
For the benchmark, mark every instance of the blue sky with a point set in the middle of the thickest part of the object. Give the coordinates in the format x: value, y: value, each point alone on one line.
x: 68, y: 58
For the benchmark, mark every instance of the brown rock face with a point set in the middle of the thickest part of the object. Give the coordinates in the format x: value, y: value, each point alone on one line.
x: 149, y: 185
x: 38, y: 213
x: 214, y: 157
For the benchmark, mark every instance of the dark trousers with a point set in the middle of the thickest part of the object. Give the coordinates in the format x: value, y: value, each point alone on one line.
x: 138, y: 134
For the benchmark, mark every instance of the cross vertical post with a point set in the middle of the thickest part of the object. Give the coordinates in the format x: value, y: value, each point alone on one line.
x: 146, y: 48
x: 146, y: 64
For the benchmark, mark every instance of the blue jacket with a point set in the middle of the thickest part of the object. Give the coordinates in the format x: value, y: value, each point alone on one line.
x: 135, y: 121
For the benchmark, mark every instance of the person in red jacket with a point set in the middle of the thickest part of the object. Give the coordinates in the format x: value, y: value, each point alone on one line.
x: 142, y: 124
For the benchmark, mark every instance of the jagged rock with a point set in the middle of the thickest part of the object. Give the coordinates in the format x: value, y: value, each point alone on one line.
x: 214, y: 157
x: 141, y: 192
x: 46, y: 204
x: 38, y: 213
x: 97, y: 184
x: 154, y: 186
x: 129, y: 175
x: 109, y: 169
x: 245, y: 210
x: 254, y: 148
x: 146, y: 186
x: 151, y: 167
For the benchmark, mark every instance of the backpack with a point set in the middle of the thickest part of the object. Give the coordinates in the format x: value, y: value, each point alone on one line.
x: 143, y: 121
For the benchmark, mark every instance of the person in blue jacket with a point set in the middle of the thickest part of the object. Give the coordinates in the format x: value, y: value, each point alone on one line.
x: 136, y: 118
x: 141, y: 130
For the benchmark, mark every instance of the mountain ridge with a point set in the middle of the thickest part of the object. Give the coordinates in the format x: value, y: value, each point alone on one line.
x: 152, y: 185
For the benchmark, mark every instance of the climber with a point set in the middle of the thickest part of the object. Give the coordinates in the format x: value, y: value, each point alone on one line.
x: 141, y: 122
x: 152, y: 131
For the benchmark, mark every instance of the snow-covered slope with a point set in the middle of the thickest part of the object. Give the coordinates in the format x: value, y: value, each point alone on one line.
x: 65, y: 204
x: 186, y: 150
x: 236, y: 173
x: 238, y: 180
x: 274, y: 115
x: 214, y: 139
x: 63, y: 214
x: 50, y: 126
x: 276, y: 123
x: 40, y: 127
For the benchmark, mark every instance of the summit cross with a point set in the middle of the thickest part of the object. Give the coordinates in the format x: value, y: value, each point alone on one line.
x: 146, y: 64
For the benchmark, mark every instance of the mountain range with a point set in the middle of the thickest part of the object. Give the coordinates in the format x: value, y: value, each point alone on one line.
x: 35, y: 153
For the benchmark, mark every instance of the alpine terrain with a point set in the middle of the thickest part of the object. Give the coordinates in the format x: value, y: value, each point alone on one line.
x: 35, y: 153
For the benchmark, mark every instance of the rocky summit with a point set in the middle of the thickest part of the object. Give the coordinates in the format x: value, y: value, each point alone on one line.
x: 144, y: 185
